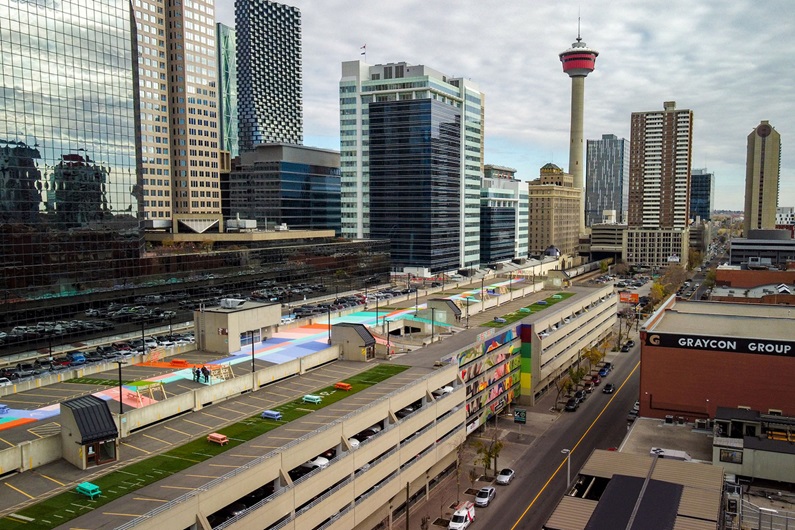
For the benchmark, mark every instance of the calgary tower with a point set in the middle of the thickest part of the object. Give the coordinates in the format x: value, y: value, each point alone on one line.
x: 578, y: 61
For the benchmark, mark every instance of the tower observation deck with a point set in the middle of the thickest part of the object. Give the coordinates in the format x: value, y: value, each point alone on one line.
x: 578, y: 61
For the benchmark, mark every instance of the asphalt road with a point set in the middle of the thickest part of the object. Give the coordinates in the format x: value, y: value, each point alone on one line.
x: 599, y: 423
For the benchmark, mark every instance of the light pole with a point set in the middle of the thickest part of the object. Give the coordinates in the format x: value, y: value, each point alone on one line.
x: 387, y: 335
x: 143, y: 336
x: 170, y: 327
x: 510, y: 283
x: 121, y: 411
x: 483, y: 294
x: 252, y: 351
x: 417, y: 300
x: 567, y: 452
x: 329, y: 325
x: 376, y: 310
x: 467, y: 312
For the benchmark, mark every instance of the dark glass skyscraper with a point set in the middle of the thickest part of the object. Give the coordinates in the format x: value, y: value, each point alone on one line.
x: 607, y: 182
x: 702, y: 194
x: 69, y: 185
x: 270, y: 107
x: 415, y: 181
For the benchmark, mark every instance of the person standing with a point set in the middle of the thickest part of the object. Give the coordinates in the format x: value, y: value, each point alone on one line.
x: 206, y: 374
x: 197, y: 374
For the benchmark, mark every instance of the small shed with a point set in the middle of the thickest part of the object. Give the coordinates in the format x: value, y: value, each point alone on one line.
x: 88, y: 432
x: 355, y: 341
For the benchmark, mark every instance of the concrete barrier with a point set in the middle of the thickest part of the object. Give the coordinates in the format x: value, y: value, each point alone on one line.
x: 31, y: 454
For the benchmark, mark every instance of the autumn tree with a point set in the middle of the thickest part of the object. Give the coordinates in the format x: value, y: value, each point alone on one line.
x: 563, y: 386
x: 621, y: 269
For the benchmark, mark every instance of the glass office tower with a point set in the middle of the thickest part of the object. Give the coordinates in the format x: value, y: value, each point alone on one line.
x: 69, y: 194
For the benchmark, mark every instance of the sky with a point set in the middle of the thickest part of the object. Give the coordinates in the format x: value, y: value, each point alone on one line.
x: 729, y: 62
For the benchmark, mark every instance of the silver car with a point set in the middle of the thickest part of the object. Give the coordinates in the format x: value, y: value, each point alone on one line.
x: 485, y: 496
x: 505, y: 476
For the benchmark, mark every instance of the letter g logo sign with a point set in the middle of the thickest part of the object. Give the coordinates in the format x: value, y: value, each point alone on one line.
x: 654, y: 339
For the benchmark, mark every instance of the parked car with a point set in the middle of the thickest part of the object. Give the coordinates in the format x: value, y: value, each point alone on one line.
x: 572, y: 404
x: 505, y: 476
x: 596, y: 380
x: 603, y: 372
x: 580, y: 395
x: 484, y: 496
x: 4, y: 381
x: 609, y: 388
x: 588, y: 387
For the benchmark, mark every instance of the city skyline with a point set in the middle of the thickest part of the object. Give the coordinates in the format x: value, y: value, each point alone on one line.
x: 723, y: 62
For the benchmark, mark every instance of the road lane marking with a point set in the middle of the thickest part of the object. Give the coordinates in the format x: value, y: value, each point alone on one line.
x: 555, y: 473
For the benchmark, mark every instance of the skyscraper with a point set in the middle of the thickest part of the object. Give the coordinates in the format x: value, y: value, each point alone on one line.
x: 578, y: 61
x: 659, y: 187
x: 227, y: 89
x: 607, y: 185
x: 762, y: 167
x: 411, y: 142
x: 270, y: 108
x: 659, y: 168
x: 504, y: 206
x: 70, y: 205
x: 702, y: 194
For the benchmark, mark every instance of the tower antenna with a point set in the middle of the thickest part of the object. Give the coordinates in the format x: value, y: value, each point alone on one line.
x: 578, y: 25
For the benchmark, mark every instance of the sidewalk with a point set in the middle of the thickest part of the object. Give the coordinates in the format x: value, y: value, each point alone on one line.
x: 516, y: 439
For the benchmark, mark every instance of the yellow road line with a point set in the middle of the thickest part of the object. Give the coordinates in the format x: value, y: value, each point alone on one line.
x: 50, y: 478
x: 19, y: 491
x: 554, y: 473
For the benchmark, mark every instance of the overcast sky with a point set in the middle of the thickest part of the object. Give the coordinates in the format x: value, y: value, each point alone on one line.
x: 731, y: 63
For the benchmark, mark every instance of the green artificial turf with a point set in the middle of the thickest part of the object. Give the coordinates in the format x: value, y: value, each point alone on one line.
x: 515, y: 316
x: 69, y: 505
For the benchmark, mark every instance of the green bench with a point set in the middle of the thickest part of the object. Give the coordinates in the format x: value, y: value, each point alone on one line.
x: 89, y: 490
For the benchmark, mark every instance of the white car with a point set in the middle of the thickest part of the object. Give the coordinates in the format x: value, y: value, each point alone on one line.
x: 4, y: 381
x: 505, y: 476
x: 318, y: 461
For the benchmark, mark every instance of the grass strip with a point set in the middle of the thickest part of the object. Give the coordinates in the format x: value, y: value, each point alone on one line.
x: 69, y: 505
x: 517, y: 315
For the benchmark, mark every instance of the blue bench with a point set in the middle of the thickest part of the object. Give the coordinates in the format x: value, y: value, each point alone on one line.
x: 271, y: 415
x: 3, y: 409
x: 89, y: 490
x: 309, y: 398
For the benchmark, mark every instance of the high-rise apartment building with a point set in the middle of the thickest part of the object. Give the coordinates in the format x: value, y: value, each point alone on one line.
x: 659, y: 187
x: 70, y: 199
x: 762, y: 168
x: 227, y: 89
x: 702, y: 194
x: 607, y: 185
x: 177, y: 72
x: 554, y: 218
x: 504, y: 205
x: 411, y: 155
x: 659, y: 168
x: 270, y: 105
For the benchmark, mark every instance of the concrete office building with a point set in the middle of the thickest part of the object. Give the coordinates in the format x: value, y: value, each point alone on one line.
x: 70, y: 195
x: 411, y: 154
x: 762, y: 168
x: 785, y: 215
x: 578, y: 61
x: 554, y: 212
x: 283, y: 184
x: 227, y: 89
x: 702, y: 194
x: 607, y: 183
x: 763, y: 248
x: 504, y: 206
x: 270, y: 104
x: 659, y: 186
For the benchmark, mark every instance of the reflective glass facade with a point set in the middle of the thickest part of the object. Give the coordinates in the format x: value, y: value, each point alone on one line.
x: 702, y: 194
x: 227, y: 73
x: 70, y: 205
x: 415, y: 182
x: 607, y: 178
x: 497, y: 234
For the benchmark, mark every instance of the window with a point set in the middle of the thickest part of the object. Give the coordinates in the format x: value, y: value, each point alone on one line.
x: 731, y: 456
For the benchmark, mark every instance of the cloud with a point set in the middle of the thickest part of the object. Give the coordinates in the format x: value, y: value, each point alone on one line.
x: 729, y: 62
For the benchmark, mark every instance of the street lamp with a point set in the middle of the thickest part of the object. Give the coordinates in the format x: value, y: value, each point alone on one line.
x: 433, y: 321
x: 387, y: 335
x: 567, y: 452
x: 170, y: 326
x: 329, y: 324
x: 121, y: 411
x: 467, y: 312
x: 483, y: 294
x: 417, y: 300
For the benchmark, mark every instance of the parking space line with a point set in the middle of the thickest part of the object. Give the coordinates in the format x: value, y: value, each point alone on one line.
x: 178, y: 487
x: 225, y: 465
x: 197, y: 423
x: 148, y: 499
x: 158, y: 439
x: 136, y: 448
x: 6, y: 441
x: 19, y: 491
x: 176, y: 430
x: 122, y: 514
x: 50, y: 478
x: 202, y: 476
x: 212, y: 415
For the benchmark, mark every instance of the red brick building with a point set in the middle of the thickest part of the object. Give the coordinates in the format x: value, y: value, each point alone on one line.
x: 697, y: 356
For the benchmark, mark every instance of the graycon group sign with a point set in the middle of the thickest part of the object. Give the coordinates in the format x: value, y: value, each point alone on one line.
x: 727, y: 344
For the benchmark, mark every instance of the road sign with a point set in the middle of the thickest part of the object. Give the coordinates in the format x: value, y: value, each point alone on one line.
x: 519, y: 415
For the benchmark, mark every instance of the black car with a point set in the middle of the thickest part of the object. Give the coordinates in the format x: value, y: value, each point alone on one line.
x: 625, y: 348
x: 572, y: 404
x: 580, y: 395
x: 609, y: 388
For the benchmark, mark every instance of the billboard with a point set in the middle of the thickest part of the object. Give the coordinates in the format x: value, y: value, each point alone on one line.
x: 627, y: 297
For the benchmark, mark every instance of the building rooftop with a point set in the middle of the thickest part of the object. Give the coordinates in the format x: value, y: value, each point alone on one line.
x: 727, y: 320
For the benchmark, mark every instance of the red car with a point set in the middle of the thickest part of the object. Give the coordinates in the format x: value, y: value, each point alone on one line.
x: 596, y: 380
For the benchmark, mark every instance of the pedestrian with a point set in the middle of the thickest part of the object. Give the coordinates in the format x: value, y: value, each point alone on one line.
x: 206, y: 373
x: 196, y: 374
